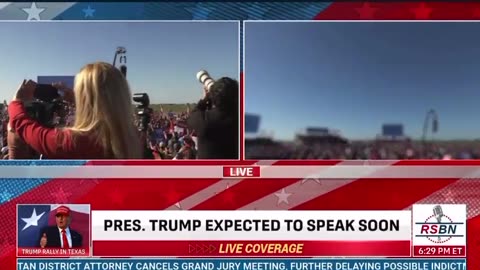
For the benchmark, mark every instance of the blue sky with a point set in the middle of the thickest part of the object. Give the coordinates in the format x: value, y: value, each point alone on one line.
x: 354, y: 77
x: 162, y: 58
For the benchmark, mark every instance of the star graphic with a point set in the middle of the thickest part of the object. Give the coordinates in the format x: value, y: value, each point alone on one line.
x: 5, y: 196
x: 283, y: 197
x: 316, y: 180
x: 33, y: 220
x: 61, y: 196
x: 116, y: 197
x: 366, y: 11
x: 88, y: 12
x: 255, y: 11
x: 422, y: 12
x: 200, y: 12
x: 33, y: 12
x: 178, y: 205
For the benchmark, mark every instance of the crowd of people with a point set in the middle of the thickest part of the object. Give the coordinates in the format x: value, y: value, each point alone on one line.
x: 168, y: 136
x: 3, y: 132
x: 363, y: 150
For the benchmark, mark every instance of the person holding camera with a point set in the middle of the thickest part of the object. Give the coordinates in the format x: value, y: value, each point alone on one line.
x: 215, y: 119
x: 103, y: 126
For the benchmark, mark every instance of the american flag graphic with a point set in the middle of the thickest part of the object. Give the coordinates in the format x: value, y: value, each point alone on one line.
x: 33, y: 219
x: 242, y: 194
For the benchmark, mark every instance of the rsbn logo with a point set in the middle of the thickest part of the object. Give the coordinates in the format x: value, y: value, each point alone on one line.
x: 439, y: 228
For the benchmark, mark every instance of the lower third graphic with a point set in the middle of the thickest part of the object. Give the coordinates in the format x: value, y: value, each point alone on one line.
x: 439, y: 230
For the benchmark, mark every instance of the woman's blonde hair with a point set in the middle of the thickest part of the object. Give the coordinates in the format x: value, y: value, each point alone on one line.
x: 104, y: 110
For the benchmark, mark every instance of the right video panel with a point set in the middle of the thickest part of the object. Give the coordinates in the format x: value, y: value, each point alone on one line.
x: 362, y: 90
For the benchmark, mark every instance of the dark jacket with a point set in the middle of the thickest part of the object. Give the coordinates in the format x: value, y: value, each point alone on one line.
x: 217, y: 132
x: 53, y: 238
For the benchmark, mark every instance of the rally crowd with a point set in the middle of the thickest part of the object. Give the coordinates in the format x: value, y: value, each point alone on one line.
x: 363, y: 150
x: 167, y: 136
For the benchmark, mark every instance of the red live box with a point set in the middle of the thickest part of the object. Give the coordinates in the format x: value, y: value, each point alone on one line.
x: 241, y: 171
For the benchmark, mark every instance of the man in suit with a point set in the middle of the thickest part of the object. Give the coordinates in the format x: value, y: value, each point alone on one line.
x: 61, y: 236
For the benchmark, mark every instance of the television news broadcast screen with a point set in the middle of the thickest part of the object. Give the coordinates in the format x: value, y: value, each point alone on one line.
x: 239, y: 136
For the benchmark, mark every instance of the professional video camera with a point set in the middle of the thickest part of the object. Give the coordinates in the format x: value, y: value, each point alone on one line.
x: 47, y: 102
x: 144, y: 112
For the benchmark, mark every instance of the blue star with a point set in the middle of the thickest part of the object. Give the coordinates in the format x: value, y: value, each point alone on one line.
x: 88, y: 12
x: 200, y: 12
x: 5, y: 196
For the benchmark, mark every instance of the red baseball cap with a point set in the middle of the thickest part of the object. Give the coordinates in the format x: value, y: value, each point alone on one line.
x: 63, y: 210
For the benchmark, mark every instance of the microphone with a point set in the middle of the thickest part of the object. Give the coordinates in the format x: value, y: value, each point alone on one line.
x: 438, y: 212
x: 123, y: 69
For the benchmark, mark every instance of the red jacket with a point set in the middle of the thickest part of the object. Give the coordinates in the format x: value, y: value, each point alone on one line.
x: 53, y: 143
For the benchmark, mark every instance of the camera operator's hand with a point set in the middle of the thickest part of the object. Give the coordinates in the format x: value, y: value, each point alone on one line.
x: 68, y: 94
x: 205, y: 92
x: 25, y: 91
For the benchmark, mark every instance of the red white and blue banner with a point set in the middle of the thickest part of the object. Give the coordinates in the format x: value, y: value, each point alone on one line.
x: 255, y: 194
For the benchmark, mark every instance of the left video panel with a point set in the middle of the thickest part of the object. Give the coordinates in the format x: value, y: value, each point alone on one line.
x: 120, y: 90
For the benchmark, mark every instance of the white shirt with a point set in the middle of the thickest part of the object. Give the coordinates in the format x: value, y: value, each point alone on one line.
x: 69, y: 237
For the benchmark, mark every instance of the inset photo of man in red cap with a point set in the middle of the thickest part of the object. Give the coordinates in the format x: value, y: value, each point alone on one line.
x: 61, y: 236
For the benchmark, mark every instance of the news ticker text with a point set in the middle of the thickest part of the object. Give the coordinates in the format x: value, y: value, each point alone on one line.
x: 244, y: 264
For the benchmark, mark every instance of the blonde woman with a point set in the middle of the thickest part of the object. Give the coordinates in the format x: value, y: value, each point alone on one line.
x: 103, y: 126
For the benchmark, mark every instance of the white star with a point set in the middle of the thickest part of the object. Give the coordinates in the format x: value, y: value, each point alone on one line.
x: 33, y: 12
x: 283, y: 196
x: 311, y: 179
x: 33, y: 220
x: 178, y: 205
